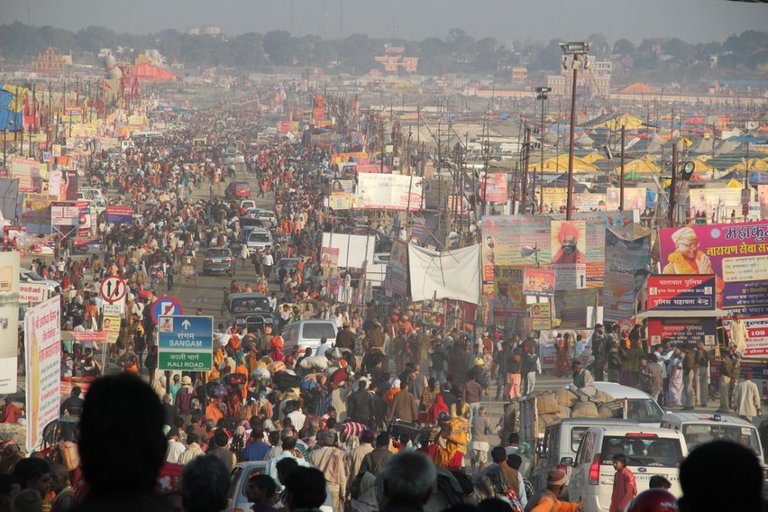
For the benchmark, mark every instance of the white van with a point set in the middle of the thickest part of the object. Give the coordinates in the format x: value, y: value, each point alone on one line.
x: 649, y: 451
x: 561, y: 441
x: 307, y: 333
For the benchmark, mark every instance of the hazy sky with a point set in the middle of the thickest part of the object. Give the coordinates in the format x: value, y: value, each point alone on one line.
x: 540, y: 20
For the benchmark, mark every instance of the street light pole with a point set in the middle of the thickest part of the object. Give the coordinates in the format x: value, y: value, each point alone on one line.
x: 541, y: 94
x: 574, y: 53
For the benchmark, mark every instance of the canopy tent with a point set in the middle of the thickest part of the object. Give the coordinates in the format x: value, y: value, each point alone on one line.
x: 150, y: 73
x: 560, y: 163
x: 614, y: 122
x: 753, y: 164
x: 633, y: 176
x: 592, y: 157
x: 562, y: 181
x: 641, y: 165
x: 733, y: 183
x: 700, y: 166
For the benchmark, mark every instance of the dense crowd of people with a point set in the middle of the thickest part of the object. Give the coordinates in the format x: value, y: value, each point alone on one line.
x: 387, y: 416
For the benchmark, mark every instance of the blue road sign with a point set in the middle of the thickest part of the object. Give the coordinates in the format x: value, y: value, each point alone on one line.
x: 185, y: 343
x: 166, y: 306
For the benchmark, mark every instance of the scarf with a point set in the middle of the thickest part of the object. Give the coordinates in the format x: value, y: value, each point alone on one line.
x: 683, y: 265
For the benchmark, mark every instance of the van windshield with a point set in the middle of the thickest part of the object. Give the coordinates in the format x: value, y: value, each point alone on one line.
x: 696, y: 434
x: 642, y: 450
x: 316, y: 331
x: 258, y: 237
x: 249, y: 304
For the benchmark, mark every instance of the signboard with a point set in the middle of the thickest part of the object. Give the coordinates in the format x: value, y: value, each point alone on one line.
x: 736, y: 253
x: 65, y: 214
x: 494, y: 187
x: 539, y: 282
x: 9, y: 310
x: 397, y: 268
x: 634, y: 198
x: 113, y: 289
x: 569, y: 254
x: 32, y: 292
x: 185, y: 343
x: 508, y: 298
x: 341, y: 186
x: 541, y: 316
x: 757, y: 336
x: 681, y: 293
x: 626, y: 267
x: 42, y: 343
x: 29, y: 172
x: 166, y: 306
x: 329, y: 256
x: 389, y: 192
x: 84, y: 336
x: 110, y: 321
x: 119, y: 214
x: 573, y: 306
x: 682, y: 330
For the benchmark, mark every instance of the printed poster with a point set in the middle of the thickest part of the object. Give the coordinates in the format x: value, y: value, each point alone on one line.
x: 539, y: 282
x: 508, y: 297
x: 569, y: 254
x: 626, y: 268
x: 757, y: 336
x: 541, y: 316
x: 42, y: 343
x: 9, y: 321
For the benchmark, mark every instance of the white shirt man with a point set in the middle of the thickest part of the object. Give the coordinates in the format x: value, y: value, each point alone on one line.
x: 739, y: 334
x: 175, y: 448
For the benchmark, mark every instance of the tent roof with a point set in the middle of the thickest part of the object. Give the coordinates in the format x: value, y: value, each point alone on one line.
x: 641, y: 165
x: 152, y: 73
x: 753, y: 164
x: 560, y: 162
x: 733, y: 183
x: 614, y: 122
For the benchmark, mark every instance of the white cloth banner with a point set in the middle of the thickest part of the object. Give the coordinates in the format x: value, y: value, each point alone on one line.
x: 388, y: 192
x: 445, y: 275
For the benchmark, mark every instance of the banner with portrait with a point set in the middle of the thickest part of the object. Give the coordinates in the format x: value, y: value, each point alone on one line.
x: 737, y: 254
x: 508, y: 297
x: 569, y: 254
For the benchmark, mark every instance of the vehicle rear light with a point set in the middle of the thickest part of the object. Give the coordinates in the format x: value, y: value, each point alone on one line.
x: 207, y: 260
x: 227, y: 260
x: 594, y: 470
x: 642, y: 434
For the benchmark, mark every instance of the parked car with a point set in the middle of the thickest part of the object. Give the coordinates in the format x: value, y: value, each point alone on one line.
x: 242, y: 472
x: 218, y: 260
x: 698, y: 429
x: 238, y: 190
x: 260, y: 239
x: 247, y: 204
x: 250, y: 310
x: 650, y: 451
x: 557, y: 450
x: 89, y: 247
x: 289, y: 264
x: 307, y: 334
x: 29, y: 276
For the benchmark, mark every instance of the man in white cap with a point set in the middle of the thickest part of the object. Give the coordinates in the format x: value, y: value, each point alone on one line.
x: 687, y: 258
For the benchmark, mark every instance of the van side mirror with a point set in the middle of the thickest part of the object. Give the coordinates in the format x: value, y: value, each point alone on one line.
x: 566, y: 461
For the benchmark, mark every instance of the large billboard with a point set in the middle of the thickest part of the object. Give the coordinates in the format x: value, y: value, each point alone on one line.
x: 494, y: 187
x: 514, y: 240
x: 569, y: 253
x: 717, y: 203
x: 626, y: 267
x: 737, y: 254
x: 42, y: 343
x: 388, y: 192
x: 757, y: 336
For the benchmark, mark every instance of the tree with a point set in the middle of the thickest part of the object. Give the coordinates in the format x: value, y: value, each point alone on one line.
x: 624, y: 47
x: 278, y: 45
